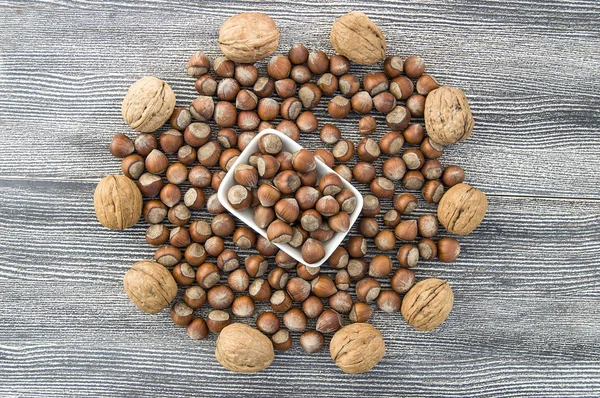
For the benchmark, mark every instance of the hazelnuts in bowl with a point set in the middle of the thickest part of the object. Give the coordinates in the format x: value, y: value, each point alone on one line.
x: 304, y: 194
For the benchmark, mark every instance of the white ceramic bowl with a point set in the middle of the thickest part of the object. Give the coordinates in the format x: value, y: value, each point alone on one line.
x: 247, y: 215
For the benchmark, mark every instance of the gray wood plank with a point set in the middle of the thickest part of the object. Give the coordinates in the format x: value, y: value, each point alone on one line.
x: 525, y: 321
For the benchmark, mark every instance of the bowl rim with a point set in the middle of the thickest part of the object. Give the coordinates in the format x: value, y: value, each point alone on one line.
x: 288, y: 143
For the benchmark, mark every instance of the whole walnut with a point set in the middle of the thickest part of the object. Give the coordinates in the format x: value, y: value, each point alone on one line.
x: 357, y: 348
x: 448, y: 118
x: 355, y: 36
x: 248, y: 37
x: 117, y: 202
x: 462, y: 209
x: 241, y: 348
x: 427, y: 304
x: 150, y: 286
x: 148, y: 104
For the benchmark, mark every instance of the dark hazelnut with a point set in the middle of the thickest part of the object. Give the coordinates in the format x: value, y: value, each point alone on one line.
x: 279, y: 232
x: 298, y: 54
x: 133, y: 166
x: 385, y: 240
x: 348, y: 85
x: 414, y: 66
x: 356, y: 246
x: 194, y: 296
x: 198, y: 64
x: 318, y: 62
x: 362, y: 102
x: 259, y: 290
x: 181, y: 117
x: 246, y: 74
x: 448, y: 249
x: 150, y: 184
x: 453, y: 175
x: 401, y: 87
x: 391, y: 143
x: 328, y: 84
x: 431, y: 149
x: 227, y: 89
x: 186, y: 154
x: 287, y: 210
x: 433, y: 190
x: 432, y: 169
x: 300, y: 74
x: 375, y: 83
x: 121, y: 146
x: 267, y: 322
x: 205, y: 85
x: 391, y: 218
x: 156, y: 162
x: 285, y: 88
x: 368, y: 227
x: 339, y: 65
x: 393, y: 66
x: 402, y: 280
x: 360, y: 312
x: 414, y: 134
x: 384, y: 102
x: 407, y: 230
x: 408, y: 255
x: 256, y: 265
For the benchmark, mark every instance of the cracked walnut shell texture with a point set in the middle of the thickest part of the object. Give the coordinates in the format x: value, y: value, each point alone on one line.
x: 241, y: 348
x: 117, y: 202
x: 448, y: 117
x: 150, y: 286
x: 148, y: 104
x: 427, y: 304
x: 462, y: 209
x: 355, y: 36
x: 357, y: 348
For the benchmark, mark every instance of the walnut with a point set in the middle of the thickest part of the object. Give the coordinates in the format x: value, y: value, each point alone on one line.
x: 448, y: 118
x: 148, y: 104
x: 248, y: 37
x: 462, y: 209
x: 356, y: 348
x: 358, y: 38
x: 241, y: 348
x: 427, y: 304
x: 117, y: 202
x: 150, y: 286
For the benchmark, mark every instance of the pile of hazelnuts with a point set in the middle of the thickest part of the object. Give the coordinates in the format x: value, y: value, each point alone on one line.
x: 180, y: 172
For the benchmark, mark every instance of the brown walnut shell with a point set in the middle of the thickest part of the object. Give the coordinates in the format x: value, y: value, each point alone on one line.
x: 358, y: 38
x: 448, y: 117
x: 357, y: 348
x: 462, y: 209
x: 427, y: 304
x: 241, y: 348
x: 117, y: 202
x: 150, y: 286
x: 248, y: 37
x: 148, y: 104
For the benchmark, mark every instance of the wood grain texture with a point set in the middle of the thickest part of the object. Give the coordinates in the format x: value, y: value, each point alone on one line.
x: 526, y: 315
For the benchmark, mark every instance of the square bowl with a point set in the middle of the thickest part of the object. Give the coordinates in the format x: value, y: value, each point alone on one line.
x: 246, y: 216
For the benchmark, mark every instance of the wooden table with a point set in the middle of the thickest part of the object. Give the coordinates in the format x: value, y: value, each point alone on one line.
x: 526, y: 319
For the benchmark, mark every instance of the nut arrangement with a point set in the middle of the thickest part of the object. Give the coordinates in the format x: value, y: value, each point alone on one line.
x: 171, y: 181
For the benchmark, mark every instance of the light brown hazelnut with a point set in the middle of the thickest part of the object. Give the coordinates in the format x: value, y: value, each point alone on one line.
x: 312, y: 251
x: 295, y: 320
x: 267, y: 322
x: 238, y: 280
x: 194, y: 296
x: 298, y: 289
x: 402, y: 280
x: 448, y: 249
x: 220, y: 297
x: 427, y: 249
x: 362, y: 102
x: 385, y: 240
x: 364, y: 172
x: 348, y: 85
x: 217, y: 320
x: 360, y: 312
x: 167, y: 256
x: 389, y: 301
x: 259, y: 290
x: 243, y: 307
x: 329, y: 321
x: 246, y: 74
x: 408, y: 255
x: 339, y: 65
x: 181, y: 314
x: 207, y: 275
x: 311, y: 341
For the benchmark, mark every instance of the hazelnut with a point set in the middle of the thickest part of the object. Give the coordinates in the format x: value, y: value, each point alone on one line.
x: 406, y: 230
x: 204, y: 85
x: 402, y: 280
x: 150, y: 286
x: 176, y: 173
x: 121, y: 146
x: 239, y: 197
x: 393, y: 66
x: 413, y: 180
x: 216, y: 179
x: 357, y: 269
x: 310, y: 220
x: 198, y: 64
x: 279, y: 232
x: 267, y: 166
x: 259, y: 290
x: 382, y: 187
x: 282, y: 340
x: 202, y: 108
x: 300, y: 74
x: 385, y: 240
x: 194, y: 296
x: 453, y: 175
x: 157, y: 234
x: 170, y: 195
x: 228, y: 260
x: 243, y: 306
x: 405, y: 203
x: 329, y: 321
x: 310, y: 95
x: 427, y: 249
x: 287, y: 181
x: 360, y: 312
x: 330, y: 134
x: 356, y: 246
x: 312, y: 251
x: 263, y: 87
x: 298, y: 54
x: 186, y: 154
x: 371, y: 206
x: 246, y: 74
x: 307, y: 122
x: 413, y: 158
x: 214, y: 245
x: 238, y: 280
x: 181, y: 314
x: 220, y: 297
x: 195, y: 254
x: 327, y: 206
x: 285, y: 88
x: 217, y: 320
x: 338, y: 107
x: 181, y: 117
x: 240, y: 348
x: 213, y: 206
x: 244, y: 238
x: 209, y: 154
x: 414, y: 134
x: 223, y: 67
x: 343, y: 150
x: 362, y: 102
x: 318, y: 62
x: 368, y: 227
x: 391, y: 218
x: 298, y: 289
x: 357, y: 348
x: 342, y: 280
x: 339, y: 65
x: 154, y: 211
x: 363, y: 172
x: 265, y: 247
x: 256, y: 265
x: 117, y: 202
x: 280, y: 301
x: 328, y: 84
x: 225, y: 114
x: 408, y: 255
x: 398, y: 118
x: 432, y: 169
x: 368, y: 150
x: 306, y: 197
x: 433, y: 191
x: 324, y: 156
x: 267, y: 322
x: 279, y: 67
x: 312, y: 307
x: 291, y: 108
x: 311, y: 341
x: 375, y: 83
x: 367, y: 289
x: 245, y: 175
x: 431, y: 149
x: 347, y: 200
x: 391, y: 143
x: 290, y: 129
x: 268, y: 109
x: 393, y: 169
x: 156, y: 162
x: 448, y: 249
x: 380, y: 266
x: 207, y: 275
x: 303, y: 161
x: 427, y: 304
x: 416, y: 105
x: 462, y: 209
x: 389, y: 301
x: 344, y: 172
x: 287, y: 210
x: 401, y: 87
x: 322, y: 286
x: 341, y: 302
x: 167, y: 256
x: 145, y: 143
x: 227, y: 89
x: 248, y: 120
x: 348, y: 85
x: 197, y: 134
x: 323, y: 233
x: 284, y: 260
x: 340, y: 222
x: 223, y: 224
x: 295, y: 320
x: 384, y: 102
